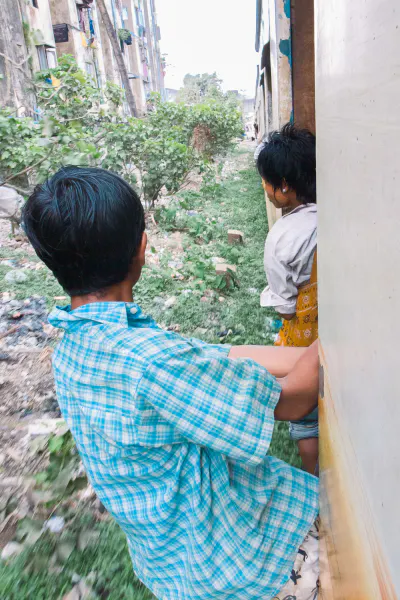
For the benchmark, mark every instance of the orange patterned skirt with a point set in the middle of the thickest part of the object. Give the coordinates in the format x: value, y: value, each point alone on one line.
x: 302, y: 330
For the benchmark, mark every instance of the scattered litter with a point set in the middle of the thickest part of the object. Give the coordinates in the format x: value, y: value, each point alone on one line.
x: 16, y: 276
x: 14, y: 455
x: 10, y: 550
x: 217, y: 260
x: 170, y: 302
x: 55, y: 524
x: 273, y: 324
x: 47, y: 427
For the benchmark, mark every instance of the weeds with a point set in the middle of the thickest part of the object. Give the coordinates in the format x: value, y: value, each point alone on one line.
x: 206, y: 306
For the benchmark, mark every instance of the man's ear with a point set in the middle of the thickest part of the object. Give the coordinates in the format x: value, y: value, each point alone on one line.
x: 284, y: 187
x: 142, y: 249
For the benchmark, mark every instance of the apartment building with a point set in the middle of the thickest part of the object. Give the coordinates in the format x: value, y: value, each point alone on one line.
x: 285, y: 81
x: 36, y: 32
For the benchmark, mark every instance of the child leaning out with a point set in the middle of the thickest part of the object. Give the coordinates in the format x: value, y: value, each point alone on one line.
x: 286, y: 164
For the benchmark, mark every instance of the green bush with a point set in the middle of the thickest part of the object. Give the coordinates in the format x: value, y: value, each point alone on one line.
x: 153, y: 153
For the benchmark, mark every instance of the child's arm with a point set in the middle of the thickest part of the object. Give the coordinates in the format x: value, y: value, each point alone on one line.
x: 297, y: 370
x: 299, y: 394
x: 278, y: 361
x: 227, y: 404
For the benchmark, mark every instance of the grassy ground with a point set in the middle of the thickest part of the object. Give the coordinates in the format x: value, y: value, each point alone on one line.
x: 106, y: 565
x: 202, y: 308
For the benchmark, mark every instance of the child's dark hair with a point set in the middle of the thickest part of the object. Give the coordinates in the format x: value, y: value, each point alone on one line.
x: 289, y: 156
x: 86, y: 225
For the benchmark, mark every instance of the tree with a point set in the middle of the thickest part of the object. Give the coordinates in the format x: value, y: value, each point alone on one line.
x: 130, y: 98
x: 154, y: 153
x: 197, y: 87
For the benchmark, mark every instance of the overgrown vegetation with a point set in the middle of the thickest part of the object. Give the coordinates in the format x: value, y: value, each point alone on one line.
x: 204, y: 87
x: 204, y: 305
x: 182, y: 290
x: 78, y: 128
x: 102, y: 560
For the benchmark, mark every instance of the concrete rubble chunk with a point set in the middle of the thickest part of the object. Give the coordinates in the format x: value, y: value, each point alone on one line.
x: 11, y: 204
x: 224, y: 268
x: 235, y: 236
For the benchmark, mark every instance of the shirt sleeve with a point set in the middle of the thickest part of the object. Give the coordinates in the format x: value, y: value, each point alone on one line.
x: 282, y: 292
x: 221, y: 403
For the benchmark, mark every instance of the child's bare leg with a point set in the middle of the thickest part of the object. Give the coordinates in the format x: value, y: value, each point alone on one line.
x: 308, y: 450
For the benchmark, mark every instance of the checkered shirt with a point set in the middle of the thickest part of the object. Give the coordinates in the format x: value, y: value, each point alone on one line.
x: 174, y: 437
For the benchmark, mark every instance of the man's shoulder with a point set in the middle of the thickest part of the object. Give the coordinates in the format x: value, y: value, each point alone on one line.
x: 137, y: 344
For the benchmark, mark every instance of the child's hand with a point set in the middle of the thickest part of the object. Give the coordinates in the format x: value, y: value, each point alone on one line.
x: 300, y: 387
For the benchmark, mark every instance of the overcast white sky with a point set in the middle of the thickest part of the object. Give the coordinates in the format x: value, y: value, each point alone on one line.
x: 203, y: 36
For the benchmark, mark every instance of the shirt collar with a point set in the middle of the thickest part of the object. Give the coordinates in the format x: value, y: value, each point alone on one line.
x: 311, y: 207
x: 118, y: 313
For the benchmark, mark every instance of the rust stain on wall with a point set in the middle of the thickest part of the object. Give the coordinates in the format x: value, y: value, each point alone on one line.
x: 353, y: 566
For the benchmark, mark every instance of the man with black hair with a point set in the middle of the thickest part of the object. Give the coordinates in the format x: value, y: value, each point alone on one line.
x: 173, y: 432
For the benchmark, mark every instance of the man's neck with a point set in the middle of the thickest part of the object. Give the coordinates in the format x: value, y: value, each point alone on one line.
x: 121, y: 292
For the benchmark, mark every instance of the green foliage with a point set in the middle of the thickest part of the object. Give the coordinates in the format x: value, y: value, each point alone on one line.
x: 218, y: 124
x: 198, y: 87
x: 154, y: 153
x: 46, y: 567
x: 222, y: 123
x: 114, y: 94
x: 149, y: 156
x: 124, y: 34
x: 94, y: 551
x: 63, y: 475
x: 210, y: 189
x: 74, y: 98
x: 160, y: 151
x: 30, y: 152
x: 18, y: 144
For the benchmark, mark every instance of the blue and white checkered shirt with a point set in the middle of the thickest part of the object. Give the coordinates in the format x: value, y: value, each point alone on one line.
x: 174, y: 435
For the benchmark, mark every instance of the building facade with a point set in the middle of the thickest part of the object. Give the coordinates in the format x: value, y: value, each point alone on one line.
x: 48, y: 29
x: 14, y: 59
x: 285, y: 83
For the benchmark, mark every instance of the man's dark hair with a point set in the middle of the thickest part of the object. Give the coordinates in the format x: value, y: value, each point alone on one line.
x: 289, y: 156
x: 86, y: 225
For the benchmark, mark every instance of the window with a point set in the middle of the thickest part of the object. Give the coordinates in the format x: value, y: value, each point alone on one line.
x: 35, y: 3
x: 125, y: 14
x: 51, y: 58
x: 47, y: 58
x: 81, y: 18
x: 41, y: 50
